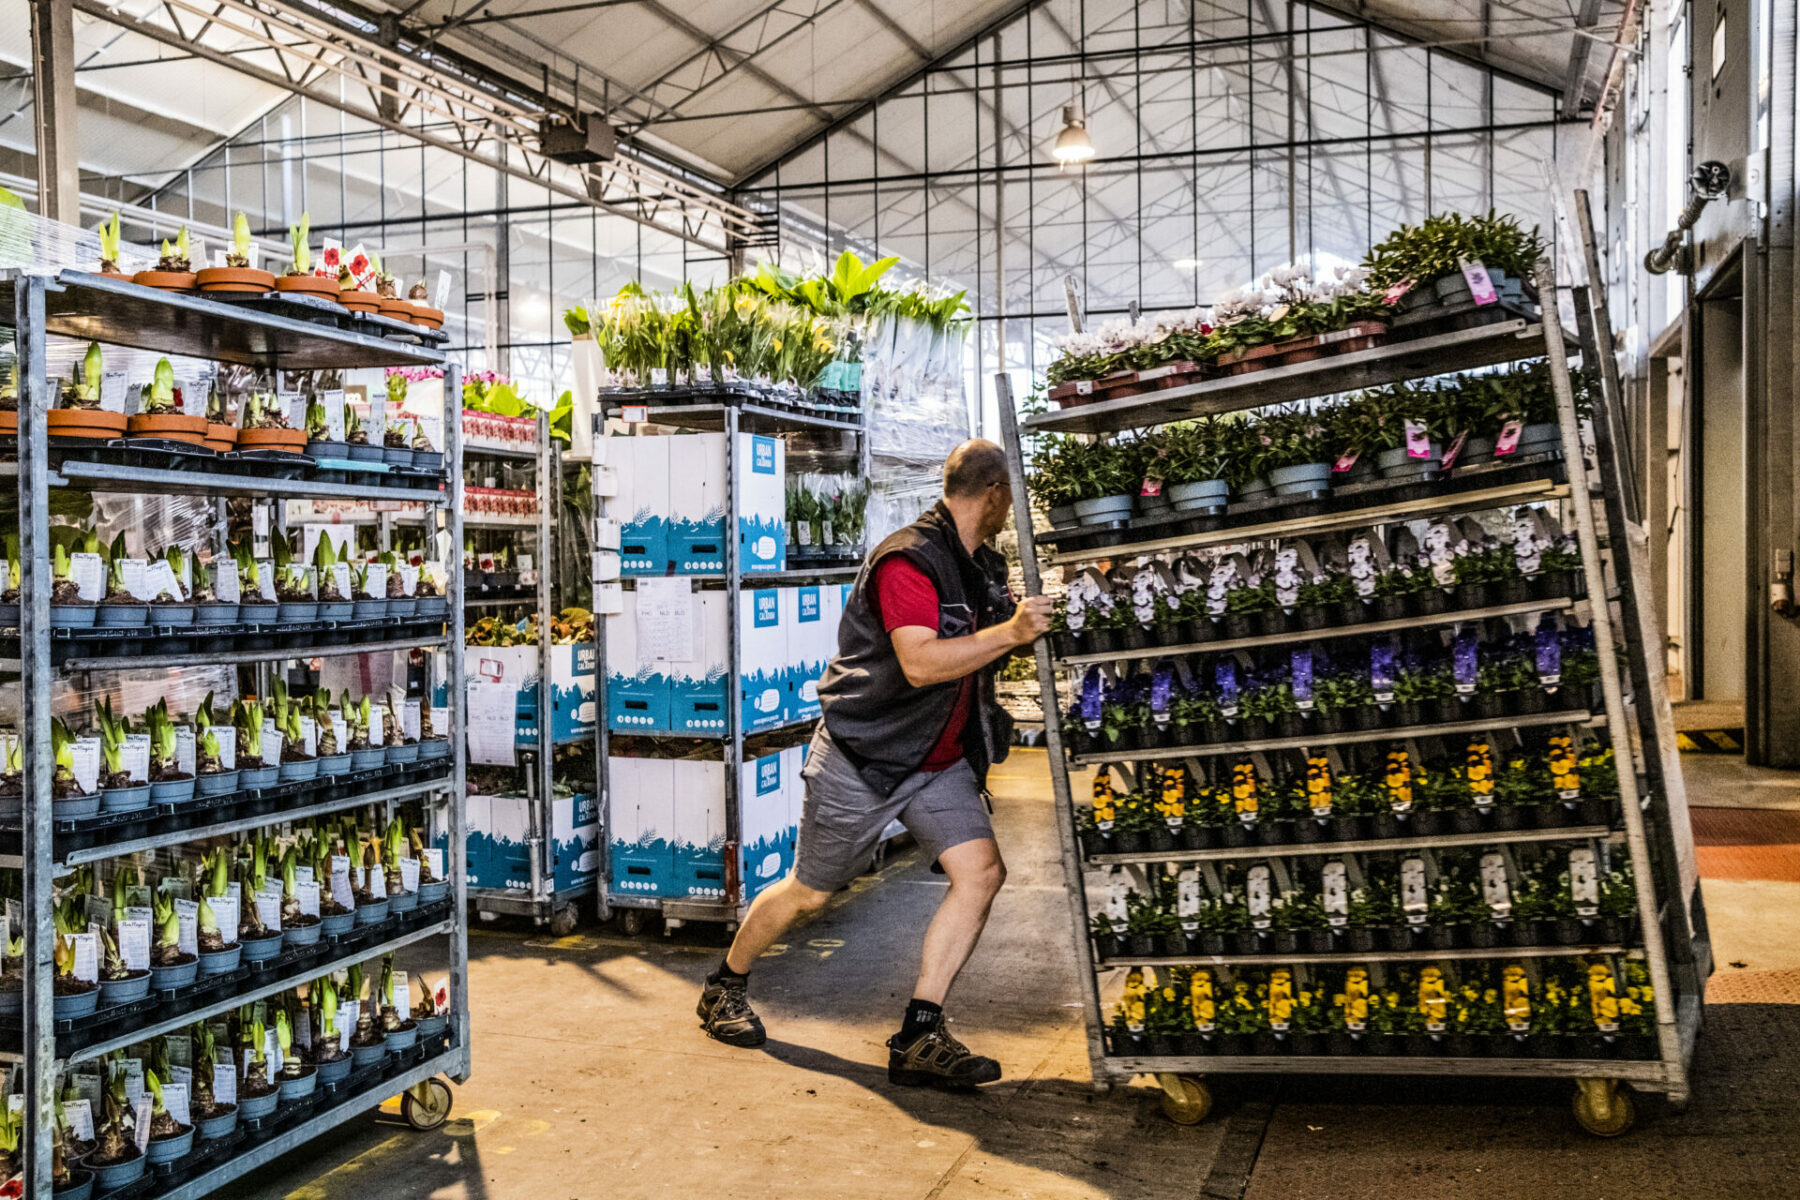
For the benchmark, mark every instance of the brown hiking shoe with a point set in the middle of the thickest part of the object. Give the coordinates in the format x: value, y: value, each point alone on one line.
x: 936, y: 1059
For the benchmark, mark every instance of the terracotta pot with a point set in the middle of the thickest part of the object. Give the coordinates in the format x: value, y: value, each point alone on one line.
x: 235, y: 279
x: 311, y: 285
x: 358, y: 301
x: 84, y: 422
x: 291, y: 440
x: 172, y: 427
x: 430, y: 318
x: 400, y: 310
x: 221, y: 437
x: 168, y: 281
x: 9, y: 422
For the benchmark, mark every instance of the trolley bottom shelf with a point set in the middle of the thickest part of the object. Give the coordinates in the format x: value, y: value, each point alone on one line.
x: 1648, y: 1073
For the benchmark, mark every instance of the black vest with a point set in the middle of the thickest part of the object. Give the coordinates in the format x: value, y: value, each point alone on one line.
x: 884, y: 724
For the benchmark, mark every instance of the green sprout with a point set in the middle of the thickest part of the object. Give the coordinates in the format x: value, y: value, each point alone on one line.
x: 302, y: 255
x: 109, y: 244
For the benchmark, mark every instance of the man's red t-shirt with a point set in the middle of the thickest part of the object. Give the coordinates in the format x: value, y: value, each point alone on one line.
x: 906, y: 597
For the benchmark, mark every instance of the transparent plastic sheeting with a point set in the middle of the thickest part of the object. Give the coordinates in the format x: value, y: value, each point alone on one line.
x: 912, y: 386
x: 31, y: 242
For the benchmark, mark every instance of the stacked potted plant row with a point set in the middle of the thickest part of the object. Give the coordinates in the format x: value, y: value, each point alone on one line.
x: 1568, y: 1008
x: 1540, y: 895
x: 1402, y: 434
x: 246, y: 759
x: 1367, y: 792
x: 1329, y: 583
x: 826, y: 516
x: 1447, y: 272
x: 183, y: 1101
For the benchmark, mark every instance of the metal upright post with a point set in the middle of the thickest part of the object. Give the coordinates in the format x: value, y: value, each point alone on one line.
x: 34, y: 726
x: 455, y: 697
x: 734, y: 726
x: 1053, y: 747
x: 538, y: 807
x: 602, y: 778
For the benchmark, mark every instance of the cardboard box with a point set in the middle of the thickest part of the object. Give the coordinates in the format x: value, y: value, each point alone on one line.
x: 762, y: 503
x: 698, y: 692
x: 763, y: 662
x: 697, y: 503
x: 672, y: 510
x: 766, y: 820
x: 572, y: 696
x: 641, y: 502
x: 698, y: 848
x: 575, y: 856
x: 637, y: 694
x: 641, y: 824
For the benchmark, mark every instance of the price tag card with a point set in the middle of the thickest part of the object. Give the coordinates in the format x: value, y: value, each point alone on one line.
x: 340, y: 573
x: 226, y: 737
x: 225, y: 581
x: 141, y: 1120
x: 309, y: 898
x: 402, y: 994
x: 90, y: 1089
x: 346, y: 1025
x: 185, y: 750
x: 409, y: 874
x: 86, y: 752
x: 271, y: 746
x: 303, y: 1030
x: 441, y: 293
x: 134, y: 756
x: 112, y: 391
x: 80, y: 1115
x: 302, y: 874
x: 341, y: 730
x: 160, y: 580
x: 134, y: 943
x: 187, y: 912
x: 134, y: 1079
x: 87, y: 957
x: 89, y: 574
x: 377, y: 881
x: 175, y: 1099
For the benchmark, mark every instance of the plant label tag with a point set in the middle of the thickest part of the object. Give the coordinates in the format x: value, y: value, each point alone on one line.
x: 134, y: 943
x: 225, y: 736
x: 225, y: 913
x: 375, y: 581
x: 1152, y: 486
x: 89, y: 575
x: 409, y: 874
x: 224, y: 1081
x: 362, y: 268
x: 659, y: 377
x: 271, y: 743
x: 1508, y: 441
x: 272, y: 1053
x: 112, y: 391
x: 340, y: 730
x: 1346, y: 460
x: 161, y: 583
x: 1455, y: 449
x: 1397, y: 290
x: 402, y: 995
x: 309, y: 898
x: 309, y: 735
x: 268, y: 908
x: 1584, y: 882
x: 1494, y: 889
x: 347, y: 1011
x: 1084, y: 387
x: 1413, y: 899
x: 1418, y: 441
x: 134, y: 1079
x: 340, y: 882
x: 132, y: 571
x: 302, y: 874
x: 409, y: 719
x: 80, y: 1117
x: 175, y: 1100
x: 409, y: 579
x: 187, y: 915
x: 185, y: 756
x: 441, y: 294
x: 225, y: 581
x: 134, y: 757
x: 635, y: 414
x: 434, y: 858
x: 87, y: 957
x: 86, y: 766
x: 140, y: 1108
x: 265, y: 579
x: 377, y: 882
x: 1256, y: 895
x: 90, y: 1087
x: 1335, y: 893
x: 1480, y: 285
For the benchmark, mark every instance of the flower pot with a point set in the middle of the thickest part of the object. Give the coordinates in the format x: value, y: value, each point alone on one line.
x: 1284, y: 941
x: 1568, y: 931
x: 338, y: 924
x: 135, y: 986
x: 1237, y: 625
x: 73, y: 616
x: 1430, y: 602
x: 357, y: 300
x: 215, y: 614
x: 1103, y: 509
x: 1201, y: 494
x: 432, y: 893
x: 125, y: 799
x: 1446, y: 937
x: 403, y: 754
x: 372, y: 913
x: 297, y: 611
x: 1249, y: 941
x: 172, y: 427
x: 337, y: 610
x: 118, y: 1175
x: 328, y: 450
x: 1391, y: 607
x: 1409, y: 713
x: 1162, y: 841
x: 397, y: 456
x: 121, y: 616
x: 84, y: 423
x: 263, y: 948
x: 1360, y: 940
x: 256, y: 778
x: 1316, y: 616
x: 368, y: 760
x: 300, y: 1088
x: 370, y: 609
x: 1271, y: 622
x: 395, y: 309
x: 68, y: 1008
x: 428, y: 460
x: 365, y: 452
x: 1475, y: 451
x: 1486, y: 935
x: 1061, y: 515
x: 1264, y: 1043
x: 76, y: 808
x: 1399, y: 463
x: 1311, y: 829
x: 1553, y: 585
x: 1253, y: 489
x: 299, y: 772
x: 1300, y: 480
x: 1132, y: 637
x: 175, y: 791
x: 1470, y: 595
x: 1528, y: 701
x: 368, y: 1056
x: 321, y: 286
x: 332, y: 1071
x: 255, y: 1108
x: 222, y: 438
x: 289, y: 441
x: 178, y: 616
x: 301, y: 935
x: 334, y: 764
x: 167, y: 979
x: 1255, y: 729
x: 1290, y: 725
x: 1109, y: 946
x: 258, y: 612
x: 402, y: 902
x: 1195, y: 836
x: 1380, y: 1045
x: 165, y: 281
x: 162, y: 1150
x: 211, y: 1129
x: 427, y: 318
x: 1238, y: 834
x: 1115, y: 741
x: 1539, y: 439
x: 433, y: 606
x: 79, y: 1187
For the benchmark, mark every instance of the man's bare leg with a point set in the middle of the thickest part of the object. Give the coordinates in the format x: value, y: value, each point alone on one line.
x: 771, y: 914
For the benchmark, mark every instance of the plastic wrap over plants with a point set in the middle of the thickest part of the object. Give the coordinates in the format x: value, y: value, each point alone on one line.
x: 912, y: 388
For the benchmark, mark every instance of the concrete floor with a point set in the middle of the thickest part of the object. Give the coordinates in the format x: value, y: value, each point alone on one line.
x: 592, y: 1080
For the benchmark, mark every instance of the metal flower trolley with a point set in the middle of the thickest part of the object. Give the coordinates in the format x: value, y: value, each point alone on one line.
x: 1662, y: 943
x: 269, y: 334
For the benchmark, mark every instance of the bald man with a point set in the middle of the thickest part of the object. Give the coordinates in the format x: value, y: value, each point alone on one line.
x: 910, y: 727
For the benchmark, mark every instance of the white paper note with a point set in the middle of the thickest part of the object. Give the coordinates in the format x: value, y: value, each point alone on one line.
x: 665, y: 614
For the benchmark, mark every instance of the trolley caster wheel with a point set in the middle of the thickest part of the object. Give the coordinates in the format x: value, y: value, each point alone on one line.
x: 1186, y: 1100
x: 1603, y: 1108
x: 562, y: 921
x: 427, y: 1105
x: 633, y: 921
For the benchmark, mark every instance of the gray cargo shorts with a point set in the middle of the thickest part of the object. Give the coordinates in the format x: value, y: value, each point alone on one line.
x: 843, y: 817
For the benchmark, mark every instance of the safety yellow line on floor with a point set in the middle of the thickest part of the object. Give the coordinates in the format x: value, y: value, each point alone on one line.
x: 1710, y: 741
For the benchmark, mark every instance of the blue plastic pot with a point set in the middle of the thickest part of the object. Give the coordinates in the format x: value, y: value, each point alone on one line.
x: 221, y: 962
x: 404, y: 1038
x: 118, y: 1175
x: 165, y: 979
x: 175, y: 791
x: 80, y: 1005
x: 368, y: 1056
x: 431, y: 749
x: 299, y: 1089
x: 434, y: 1026
x: 302, y: 935
x: 431, y: 893
x: 334, y: 1070
x: 397, y: 456
x: 76, y: 808
x: 402, y: 902
x: 371, y: 914
x: 256, y: 778
x: 404, y: 607
x: 12, y: 1003
x: 212, y: 1128
x: 220, y: 783
x: 258, y: 612
x: 338, y: 924
x: 297, y: 610
x: 164, y: 1150
x: 368, y: 760
x: 364, y: 452
x: 334, y: 764
x: 263, y: 948
x: 215, y: 614
x: 433, y: 606
x: 368, y: 610
x: 124, y: 991
x: 336, y: 610
x: 257, y: 1107
x: 81, y: 1186
x: 72, y: 616
x: 179, y: 615
x: 299, y: 772
x: 125, y: 799
x: 403, y: 754
x: 121, y: 616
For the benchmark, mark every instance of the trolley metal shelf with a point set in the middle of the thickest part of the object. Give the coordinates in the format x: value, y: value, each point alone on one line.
x: 1654, y: 837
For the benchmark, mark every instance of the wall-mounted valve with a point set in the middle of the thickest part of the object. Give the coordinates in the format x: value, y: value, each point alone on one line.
x: 1709, y: 182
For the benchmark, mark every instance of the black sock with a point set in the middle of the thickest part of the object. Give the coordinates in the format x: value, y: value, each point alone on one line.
x: 921, y: 1016
x: 724, y: 974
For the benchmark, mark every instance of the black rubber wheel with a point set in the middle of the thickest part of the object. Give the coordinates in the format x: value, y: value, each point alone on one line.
x: 430, y: 1114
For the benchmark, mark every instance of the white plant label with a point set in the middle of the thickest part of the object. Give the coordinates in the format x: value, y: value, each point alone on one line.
x: 265, y: 577
x: 309, y: 898
x: 1256, y: 898
x: 375, y: 581
x: 409, y: 578
x: 185, y: 754
x: 134, y: 757
x: 175, y: 1100
x: 268, y: 907
x: 346, y: 1025
x: 134, y: 943
x: 87, y: 957
x: 272, y: 1053
x: 271, y: 747
x: 1584, y: 883
x: 141, y: 1119
x: 303, y: 1029
x: 409, y: 719
x: 224, y: 1078
x: 434, y: 855
x: 409, y: 874
x: 134, y: 571
x: 160, y: 579
x: 88, y: 572
x: 1494, y: 889
x: 309, y: 735
x: 80, y: 1116
x: 225, y: 912
x: 377, y: 882
x: 91, y: 1090
x: 303, y: 874
x: 340, y: 574
x: 226, y: 737
x: 441, y: 293
x: 340, y: 881
x: 334, y: 414
x: 402, y: 994
x: 225, y: 581
x: 341, y: 730
x: 1413, y: 900
x: 112, y: 391
x: 187, y: 913
x: 1335, y: 888
x: 86, y: 766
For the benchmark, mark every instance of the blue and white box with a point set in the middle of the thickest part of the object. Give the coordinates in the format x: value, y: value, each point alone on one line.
x: 641, y: 826
x: 697, y: 503
x: 640, y: 502
x: 637, y: 693
x: 806, y: 612
x: 698, y: 693
x: 698, y: 844
x: 762, y: 503
x: 763, y: 663
x: 668, y: 496
x: 765, y: 815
